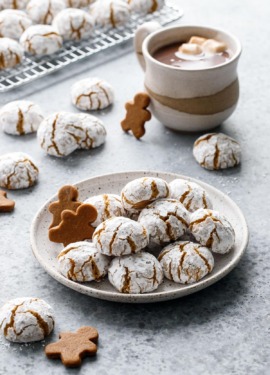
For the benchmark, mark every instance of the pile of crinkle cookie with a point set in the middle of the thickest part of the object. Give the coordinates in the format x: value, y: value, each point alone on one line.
x: 174, y: 220
x: 39, y: 27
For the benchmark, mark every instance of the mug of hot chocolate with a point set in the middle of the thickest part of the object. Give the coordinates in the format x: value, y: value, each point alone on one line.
x: 190, y: 74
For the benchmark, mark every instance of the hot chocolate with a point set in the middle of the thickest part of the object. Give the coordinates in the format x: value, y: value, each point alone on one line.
x: 197, y: 53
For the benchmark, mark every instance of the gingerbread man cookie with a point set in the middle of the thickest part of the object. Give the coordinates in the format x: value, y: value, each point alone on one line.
x: 67, y: 200
x: 72, y: 347
x: 137, y: 115
x: 75, y: 226
x: 6, y: 205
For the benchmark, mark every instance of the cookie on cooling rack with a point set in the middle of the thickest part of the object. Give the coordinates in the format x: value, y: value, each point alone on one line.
x: 26, y: 320
x: 13, y: 4
x: 13, y: 23
x: 91, y: 94
x: 81, y: 261
x: 186, y: 262
x: 190, y: 194
x: 217, y: 151
x: 62, y: 133
x: 213, y: 230
x: 107, y: 206
x: 166, y: 220
x: 138, y: 193
x: 145, y: 6
x: 120, y: 236
x: 17, y: 171
x: 74, y: 24
x: 41, y: 40
x: 139, y: 273
x: 11, y: 53
x: 20, y: 117
x: 44, y: 11
x: 110, y: 13
x: 78, y: 3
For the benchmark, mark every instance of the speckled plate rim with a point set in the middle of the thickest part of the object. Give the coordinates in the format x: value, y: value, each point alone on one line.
x: 147, y: 297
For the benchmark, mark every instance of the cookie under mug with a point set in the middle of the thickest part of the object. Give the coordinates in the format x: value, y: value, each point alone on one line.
x: 188, y: 99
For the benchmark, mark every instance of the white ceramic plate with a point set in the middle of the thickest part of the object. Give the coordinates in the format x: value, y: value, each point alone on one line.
x: 46, y: 252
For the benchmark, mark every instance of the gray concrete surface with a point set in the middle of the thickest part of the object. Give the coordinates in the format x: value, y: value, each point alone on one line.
x: 221, y: 330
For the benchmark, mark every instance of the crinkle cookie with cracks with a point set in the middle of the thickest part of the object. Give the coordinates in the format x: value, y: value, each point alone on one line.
x: 213, y: 230
x: 82, y: 262
x: 107, y: 206
x: 165, y: 220
x: 44, y: 11
x: 139, y: 273
x: 91, y: 94
x: 190, y: 194
x: 217, y: 151
x: 13, y: 4
x: 62, y: 133
x: 110, y: 13
x: 20, y: 117
x: 74, y: 24
x: 13, y: 23
x: 186, y: 262
x: 78, y: 3
x: 41, y: 40
x: 26, y: 320
x: 11, y: 53
x: 137, y: 194
x: 145, y: 6
x: 17, y: 171
x: 120, y: 236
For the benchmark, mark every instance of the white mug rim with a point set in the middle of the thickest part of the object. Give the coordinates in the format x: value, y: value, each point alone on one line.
x: 146, y: 53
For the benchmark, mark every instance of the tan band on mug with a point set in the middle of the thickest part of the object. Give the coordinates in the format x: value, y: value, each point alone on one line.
x: 203, y: 105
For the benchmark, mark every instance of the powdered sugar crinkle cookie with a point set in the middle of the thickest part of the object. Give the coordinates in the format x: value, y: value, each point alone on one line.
x: 11, y: 53
x: 81, y: 261
x: 13, y: 23
x: 20, y: 117
x: 190, y: 194
x: 17, y: 171
x: 212, y: 230
x: 120, y: 236
x: 145, y: 6
x: 166, y: 220
x: 13, y: 4
x: 44, y: 11
x: 186, y: 262
x: 217, y: 151
x: 107, y: 206
x: 139, y: 273
x: 26, y: 320
x: 110, y: 12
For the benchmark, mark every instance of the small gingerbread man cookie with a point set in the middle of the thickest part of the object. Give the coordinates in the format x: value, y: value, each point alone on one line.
x: 137, y: 115
x: 6, y: 205
x: 67, y: 200
x: 72, y: 347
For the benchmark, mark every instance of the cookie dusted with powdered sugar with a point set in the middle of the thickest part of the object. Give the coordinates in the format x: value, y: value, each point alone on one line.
x: 74, y: 24
x: 41, y: 40
x: 217, y: 151
x: 13, y: 23
x: 190, y: 194
x: 44, y: 11
x: 81, y: 261
x: 120, y: 236
x: 110, y: 13
x: 135, y: 274
x: 62, y: 133
x: 145, y: 6
x: 78, y: 3
x: 165, y: 220
x: 213, y: 230
x: 138, y: 193
x: 11, y: 53
x: 26, y: 320
x: 107, y: 206
x: 17, y: 171
x: 20, y: 117
x: 13, y: 4
x: 186, y: 262
x: 91, y: 94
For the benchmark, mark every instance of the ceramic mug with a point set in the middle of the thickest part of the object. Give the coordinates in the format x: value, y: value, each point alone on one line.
x: 182, y: 99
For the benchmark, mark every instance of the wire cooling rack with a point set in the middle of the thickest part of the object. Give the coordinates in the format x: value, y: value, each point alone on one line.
x: 33, y: 68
